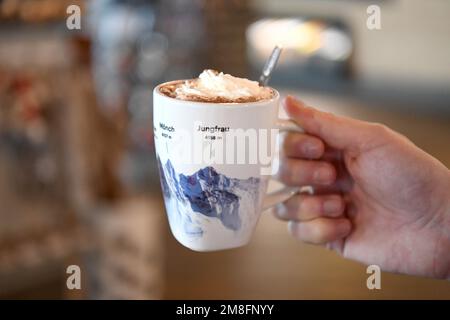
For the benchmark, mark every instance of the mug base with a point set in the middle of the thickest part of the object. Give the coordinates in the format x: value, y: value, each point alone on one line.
x: 210, y: 247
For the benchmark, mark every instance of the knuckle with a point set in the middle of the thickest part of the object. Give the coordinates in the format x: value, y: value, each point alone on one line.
x: 380, y: 129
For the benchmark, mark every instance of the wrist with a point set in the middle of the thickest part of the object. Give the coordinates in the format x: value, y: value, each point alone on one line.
x: 445, y: 240
x: 440, y: 230
x: 446, y: 246
x: 445, y: 230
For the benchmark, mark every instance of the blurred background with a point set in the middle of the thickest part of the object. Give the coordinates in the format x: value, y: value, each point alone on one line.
x: 78, y: 178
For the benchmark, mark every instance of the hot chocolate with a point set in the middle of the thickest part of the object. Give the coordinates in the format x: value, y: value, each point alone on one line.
x: 216, y: 87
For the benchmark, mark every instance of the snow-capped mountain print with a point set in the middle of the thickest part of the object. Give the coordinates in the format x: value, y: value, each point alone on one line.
x: 209, y: 194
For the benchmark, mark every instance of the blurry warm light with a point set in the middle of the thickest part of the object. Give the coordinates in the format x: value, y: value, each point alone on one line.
x: 267, y: 33
x: 307, y: 37
x: 299, y: 38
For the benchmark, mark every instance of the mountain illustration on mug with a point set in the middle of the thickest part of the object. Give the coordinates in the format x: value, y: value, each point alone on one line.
x: 208, y: 193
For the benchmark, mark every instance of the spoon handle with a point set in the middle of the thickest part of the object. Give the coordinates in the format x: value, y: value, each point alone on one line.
x: 269, y: 66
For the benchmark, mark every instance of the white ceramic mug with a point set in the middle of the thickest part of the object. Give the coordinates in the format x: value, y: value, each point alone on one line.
x: 214, y: 200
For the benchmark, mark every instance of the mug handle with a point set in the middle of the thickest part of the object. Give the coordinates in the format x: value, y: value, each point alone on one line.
x: 273, y: 198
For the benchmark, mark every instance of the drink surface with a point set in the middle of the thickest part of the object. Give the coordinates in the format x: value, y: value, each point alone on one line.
x: 216, y: 87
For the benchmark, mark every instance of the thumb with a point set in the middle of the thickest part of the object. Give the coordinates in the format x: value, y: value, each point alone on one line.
x: 338, y: 132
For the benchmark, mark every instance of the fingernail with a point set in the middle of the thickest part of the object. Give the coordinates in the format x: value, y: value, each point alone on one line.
x: 323, y: 175
x: 292, y: 227
x: 291, y: 99
x: 280, y: 210
x: 331, y: 206
x: 311, y: 149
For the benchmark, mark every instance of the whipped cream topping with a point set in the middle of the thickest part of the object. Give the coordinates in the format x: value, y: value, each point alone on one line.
x: 219, y: 87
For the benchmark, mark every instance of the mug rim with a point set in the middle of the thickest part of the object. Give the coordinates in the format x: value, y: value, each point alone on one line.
x: 260, y: 103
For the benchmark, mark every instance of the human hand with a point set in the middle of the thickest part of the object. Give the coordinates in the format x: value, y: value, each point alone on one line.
x: 378, y: 198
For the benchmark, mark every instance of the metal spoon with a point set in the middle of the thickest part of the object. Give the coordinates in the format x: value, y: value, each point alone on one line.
x: 269, y: 66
